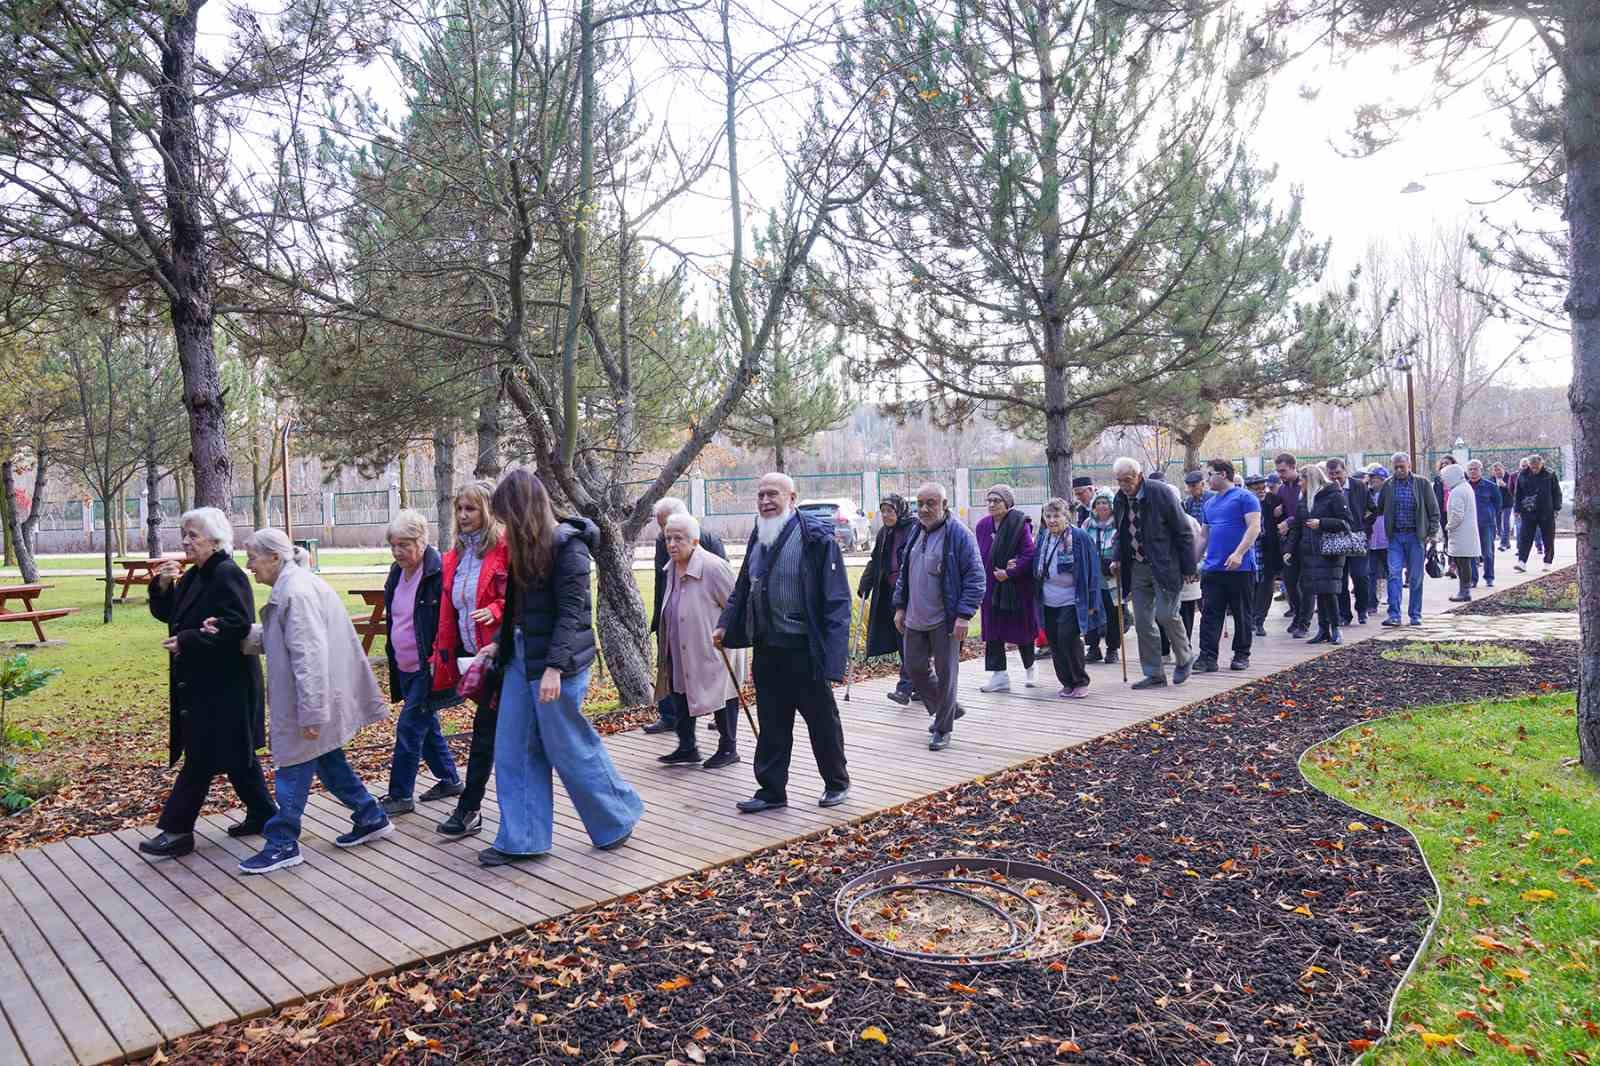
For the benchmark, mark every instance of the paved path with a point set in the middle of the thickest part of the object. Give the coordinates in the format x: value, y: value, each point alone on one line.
x: 105, y: 956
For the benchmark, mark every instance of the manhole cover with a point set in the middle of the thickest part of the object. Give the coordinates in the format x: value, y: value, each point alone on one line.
x: 970, y: 911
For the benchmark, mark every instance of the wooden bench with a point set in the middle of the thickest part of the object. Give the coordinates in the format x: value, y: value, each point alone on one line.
x: 138, y: 570
x: 374, y: 625
x: 26, y: 594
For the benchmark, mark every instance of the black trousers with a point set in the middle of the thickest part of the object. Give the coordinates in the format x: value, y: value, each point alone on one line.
x: 784, y: 688
x: 1111, y: 633
x: 726, y: 719
x: 1327, y: 610
x: 480, y: 756
x: 1541, y: 524
x: 1355, y: 577
x: 1066, y: 645
x: 1261, y: 594
x: 1295, y: 607
x: 188, y: 794
x: 994, y: 655
x: 1225, y: 593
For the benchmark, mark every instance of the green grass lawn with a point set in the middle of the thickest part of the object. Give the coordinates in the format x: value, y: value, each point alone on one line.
x: 114, y: 677
x: 1513, y: 835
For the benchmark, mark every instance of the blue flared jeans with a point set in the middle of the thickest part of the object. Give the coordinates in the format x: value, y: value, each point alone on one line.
x: 532, y: 739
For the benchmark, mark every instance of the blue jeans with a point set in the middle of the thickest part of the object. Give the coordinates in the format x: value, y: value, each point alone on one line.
x: 1503, y: 523
x: 293, y: 784
x: 1405, y: 553
x: 418, y: 736
x: 534, y: 738
x: 1486, y: 541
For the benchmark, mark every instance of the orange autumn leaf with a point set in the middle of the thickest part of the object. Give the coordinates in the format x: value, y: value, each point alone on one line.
x: 874, y: 1034
x: 674, y: 984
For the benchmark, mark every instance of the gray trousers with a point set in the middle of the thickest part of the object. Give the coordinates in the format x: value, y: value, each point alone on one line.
x: 933, y: 658
x: 1155, y: 611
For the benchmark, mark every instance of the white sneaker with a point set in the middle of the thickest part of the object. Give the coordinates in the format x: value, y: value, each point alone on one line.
x: 1030, y: 677
x: 999, y: 681
x: 1547, y: 568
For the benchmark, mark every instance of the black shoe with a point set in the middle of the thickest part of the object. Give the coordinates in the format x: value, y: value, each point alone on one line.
x: 660, y: 726
x: 1415, y: 622
x: 1390, y: 623
x: 960, y: 712
x: 1346, y: 620
x: 461, y: 824
x: 902, y: 698
x: 834, y: 796
x: 1240, y: 662
x: 617, y: 843
x: 1361, y: 619
x: 250, y: 827
x: 1334, y: 636
x: 442, y: 791
x: 1260, y: 631
x: 711, y: 726
x: 682, y: 755
x: 496, y: 857
x: 755, y: 805
x: 1298, y: 634
x: 1150, y: 682
x: 1111, y: 657
x: 939, y: 742
x: 1181, y: 674
x: 168, y: 845
x: 722, y: 757
x: 1322, y: 637
x: 1205, y: 666
x: 393, y: 805
x: 1461, y: 599
x: 1092, y: 656
x: 915, y: 698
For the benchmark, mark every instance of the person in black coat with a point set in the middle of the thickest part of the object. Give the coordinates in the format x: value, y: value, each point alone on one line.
x: 1537, y: 502
x: 878, y: 581
x: 666, y: 709
x: 1269, y: 549
x: 217, y: 710
x: 1360, y: 500
x: 411, y: 598
x: 1321, y: 575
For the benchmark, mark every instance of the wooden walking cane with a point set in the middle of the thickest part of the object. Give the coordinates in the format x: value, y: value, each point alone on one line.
x: 739, y: 689
x: 849, y: 667
x: 1122, y: 634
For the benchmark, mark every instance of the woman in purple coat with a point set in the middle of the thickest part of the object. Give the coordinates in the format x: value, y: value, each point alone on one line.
x: 1005, y: 540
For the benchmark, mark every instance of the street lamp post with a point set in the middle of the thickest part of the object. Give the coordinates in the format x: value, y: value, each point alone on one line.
x: 1402, y: 363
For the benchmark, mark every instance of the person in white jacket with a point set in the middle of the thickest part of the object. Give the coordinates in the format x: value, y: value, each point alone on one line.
x: 320, y: 692
x: 1460, y: 527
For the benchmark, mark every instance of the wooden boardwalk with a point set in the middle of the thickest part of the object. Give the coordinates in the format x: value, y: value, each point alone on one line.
x: 106, y: 956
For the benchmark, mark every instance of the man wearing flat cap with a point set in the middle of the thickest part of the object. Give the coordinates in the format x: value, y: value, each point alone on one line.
x: 1083, y: 496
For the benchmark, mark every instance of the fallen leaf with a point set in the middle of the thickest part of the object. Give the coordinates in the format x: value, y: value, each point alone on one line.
x: 873, y: 1033
x: 1359, y: 827
x: 1439, y: 1039
x: 1068, y: 1047
x: 692, y: 1050
x: 1538, y: 895
x: 675, y: 983
x: 1304, y: 910
x: 1359, y: 1045
x: 957, y: 986
x: 1476, y: 901
x: 414, y: 1037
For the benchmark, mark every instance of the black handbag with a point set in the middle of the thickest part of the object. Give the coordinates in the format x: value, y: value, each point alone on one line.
x: 1432, y: 566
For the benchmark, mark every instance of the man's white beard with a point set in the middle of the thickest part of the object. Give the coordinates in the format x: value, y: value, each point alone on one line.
x: 767, y: 529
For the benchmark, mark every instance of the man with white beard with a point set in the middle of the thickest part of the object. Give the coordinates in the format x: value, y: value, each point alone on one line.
x: 792, y: 605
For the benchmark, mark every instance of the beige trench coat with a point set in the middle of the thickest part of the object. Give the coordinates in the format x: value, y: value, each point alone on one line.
x: 317, y: 673
x: 707, y: 583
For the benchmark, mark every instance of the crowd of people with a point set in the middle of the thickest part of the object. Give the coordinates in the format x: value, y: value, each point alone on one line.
x: 504, y: 619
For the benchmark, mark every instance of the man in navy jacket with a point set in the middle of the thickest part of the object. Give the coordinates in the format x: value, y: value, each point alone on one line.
x: 791, y: 604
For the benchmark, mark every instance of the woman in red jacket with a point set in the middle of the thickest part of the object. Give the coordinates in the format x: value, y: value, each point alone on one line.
x: 475, y: 574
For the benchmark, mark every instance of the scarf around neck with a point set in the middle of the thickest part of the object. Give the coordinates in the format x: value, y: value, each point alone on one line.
x: 1007, y: 538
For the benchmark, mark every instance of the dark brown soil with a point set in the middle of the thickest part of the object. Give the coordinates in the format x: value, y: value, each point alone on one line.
x: 1252, y: 920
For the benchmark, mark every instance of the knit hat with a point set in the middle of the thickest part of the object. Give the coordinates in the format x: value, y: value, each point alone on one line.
x: 1082, y: 482
x: 1256, y: 479
x: 1005, y: 493
x: 1102, y: 495
x: 1378, y: 470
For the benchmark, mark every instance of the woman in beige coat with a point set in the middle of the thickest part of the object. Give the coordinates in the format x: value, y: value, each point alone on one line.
x: 690, y: 670
x: 320, y: 692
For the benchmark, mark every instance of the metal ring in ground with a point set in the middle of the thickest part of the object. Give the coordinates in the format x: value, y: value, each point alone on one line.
x: 1018, y: 942
x: 1006, y: 867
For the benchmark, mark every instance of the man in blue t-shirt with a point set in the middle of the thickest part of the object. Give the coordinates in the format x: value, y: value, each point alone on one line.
x: 1227, y: 572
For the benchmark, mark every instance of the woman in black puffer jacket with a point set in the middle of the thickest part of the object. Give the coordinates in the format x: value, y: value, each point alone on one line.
x: 1320, y: 575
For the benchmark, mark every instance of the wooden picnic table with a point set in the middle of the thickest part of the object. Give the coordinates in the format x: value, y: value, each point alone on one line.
x: 371, y: 626
x: 137, y: 570
x: 26, y: 594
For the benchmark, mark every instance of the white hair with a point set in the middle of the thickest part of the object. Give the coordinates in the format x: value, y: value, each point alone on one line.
x: 1475, y: 463
x: 683, y: 520
x: 408, y: 525
x: 1125, y: 465
x: 934, y: 485
x: 212, y: 524
x: 668, y: 505
x: 274, y: 542
x: 1400, y: 457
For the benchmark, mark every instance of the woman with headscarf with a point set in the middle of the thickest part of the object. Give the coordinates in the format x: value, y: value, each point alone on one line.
x: 1101, y: 526
x: 1005, y: 540
x: 877, y: 581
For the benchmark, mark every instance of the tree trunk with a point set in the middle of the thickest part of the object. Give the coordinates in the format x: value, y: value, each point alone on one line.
x: 1192, y: 442
x: 621, y: 619
x: 1583, y: 305
x: 152, y: 492
x: 192, y: 278
x: 488, y: 464
x: 444, y: 482
x: 405, y: 490
x: 106, y: 557
x: 21, y: 532
x: 8, y: 509
x: 780, y: 458
x: 30, y: 526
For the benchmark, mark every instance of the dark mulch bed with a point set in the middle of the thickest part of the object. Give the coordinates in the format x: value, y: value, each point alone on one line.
x: 1530, y: 597
x: 1250, y: 919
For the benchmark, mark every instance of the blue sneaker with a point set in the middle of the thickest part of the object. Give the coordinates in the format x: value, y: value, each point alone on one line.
x: 358, y: 836
x: 270, y: 858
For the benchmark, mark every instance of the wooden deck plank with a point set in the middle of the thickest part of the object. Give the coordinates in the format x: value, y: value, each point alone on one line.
x: 110, y: 933
x: 92, y: 1009
x: 230, y: 995
x: 94, y: 915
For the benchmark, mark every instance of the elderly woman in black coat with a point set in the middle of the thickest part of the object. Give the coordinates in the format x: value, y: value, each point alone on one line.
x: 878, y: 581
x: 217, y: 714
x: 1320, y: 575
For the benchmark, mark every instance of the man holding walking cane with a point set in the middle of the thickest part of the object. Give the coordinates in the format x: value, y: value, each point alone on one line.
x: 939, y: 590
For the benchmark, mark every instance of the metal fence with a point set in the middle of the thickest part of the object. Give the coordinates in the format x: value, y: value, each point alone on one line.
x: 66, y: 515
x: 1030, y: 484
x: 361, y: 508
x: 130, y: 508
x: 906, y: 483
x: 731, y: 495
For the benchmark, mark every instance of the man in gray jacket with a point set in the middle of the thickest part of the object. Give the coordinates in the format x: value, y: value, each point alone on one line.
x: 1155, y: 546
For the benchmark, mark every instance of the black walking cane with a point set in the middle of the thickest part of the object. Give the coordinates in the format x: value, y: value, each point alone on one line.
x: 849, y: 668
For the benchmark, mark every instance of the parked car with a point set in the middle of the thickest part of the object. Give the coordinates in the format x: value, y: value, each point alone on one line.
x: 850, y: 527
